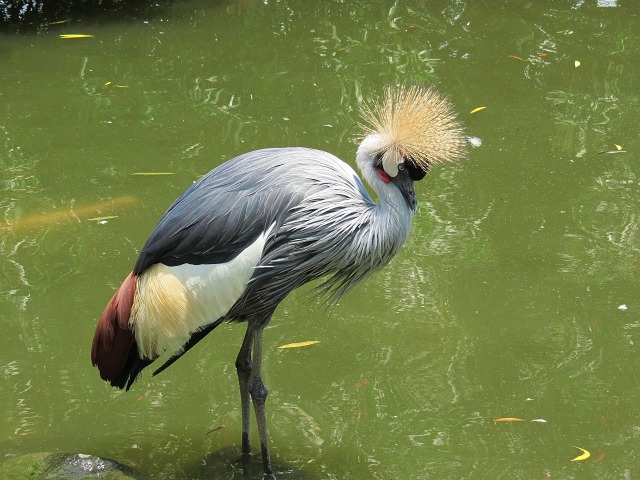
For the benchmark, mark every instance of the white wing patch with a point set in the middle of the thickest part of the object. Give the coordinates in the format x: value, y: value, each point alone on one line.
x: 173, y: 302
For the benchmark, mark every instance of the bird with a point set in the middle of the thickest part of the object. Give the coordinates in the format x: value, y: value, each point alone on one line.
x: 243, y: 236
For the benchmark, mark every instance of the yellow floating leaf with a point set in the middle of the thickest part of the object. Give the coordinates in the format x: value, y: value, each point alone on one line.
x: 509, y: 419
x: 576, y: 63
x: 75, y: 35
x: 152, y: 174
x: 300, y: 344
x: 99, y: 219
x: 108, y: 84
x: 585, y: 454
x: 477, y: 109
x: 618, y: 147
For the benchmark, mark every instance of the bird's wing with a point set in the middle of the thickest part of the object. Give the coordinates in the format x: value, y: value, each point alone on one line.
x: 216, y: 218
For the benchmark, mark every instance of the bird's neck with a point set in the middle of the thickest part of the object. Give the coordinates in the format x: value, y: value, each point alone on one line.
x: 390, y: 219
x: 391, y: 216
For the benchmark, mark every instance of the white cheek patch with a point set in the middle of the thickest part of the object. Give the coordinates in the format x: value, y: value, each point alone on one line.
x: 390, y: 161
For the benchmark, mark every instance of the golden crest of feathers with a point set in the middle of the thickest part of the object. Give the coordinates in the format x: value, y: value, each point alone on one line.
x: 417, y: 124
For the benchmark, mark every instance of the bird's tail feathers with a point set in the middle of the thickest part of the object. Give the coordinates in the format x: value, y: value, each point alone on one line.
x: 114, y: 350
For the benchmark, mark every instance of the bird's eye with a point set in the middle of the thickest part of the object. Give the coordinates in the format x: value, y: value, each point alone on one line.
x: 401, y: 167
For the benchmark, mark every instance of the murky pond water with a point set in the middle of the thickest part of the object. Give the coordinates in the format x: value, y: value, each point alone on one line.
x: 516, y: 295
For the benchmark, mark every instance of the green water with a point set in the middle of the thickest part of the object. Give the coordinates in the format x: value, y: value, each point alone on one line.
x: 505, y: 302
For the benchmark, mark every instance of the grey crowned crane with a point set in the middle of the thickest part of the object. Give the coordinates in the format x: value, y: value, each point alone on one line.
x: 238, y: 240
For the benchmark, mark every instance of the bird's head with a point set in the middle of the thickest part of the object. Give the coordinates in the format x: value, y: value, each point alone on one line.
x: 410, y: 130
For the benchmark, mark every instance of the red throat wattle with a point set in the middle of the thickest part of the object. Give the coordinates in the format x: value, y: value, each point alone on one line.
x: 384, y: 176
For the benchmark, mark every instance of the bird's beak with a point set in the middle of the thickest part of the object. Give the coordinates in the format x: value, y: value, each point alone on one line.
x: 405, y: 184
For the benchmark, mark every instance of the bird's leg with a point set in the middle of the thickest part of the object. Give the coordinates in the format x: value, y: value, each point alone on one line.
x: 259, y: 397
x: 244, y: 368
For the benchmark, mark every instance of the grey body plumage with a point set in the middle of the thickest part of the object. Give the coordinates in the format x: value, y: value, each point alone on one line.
x: 245, y: 235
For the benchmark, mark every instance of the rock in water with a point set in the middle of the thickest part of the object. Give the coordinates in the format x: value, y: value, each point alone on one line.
x: 63, y: 466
